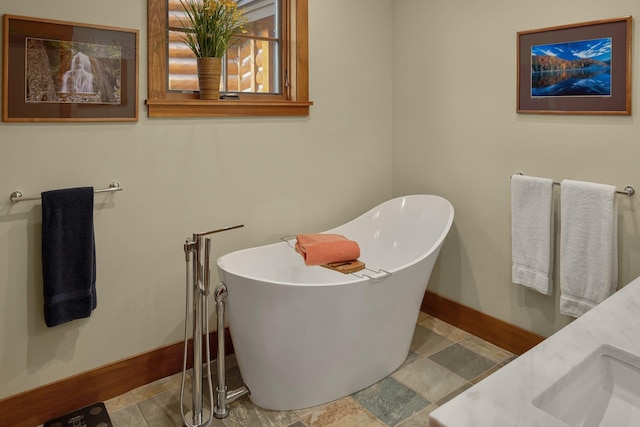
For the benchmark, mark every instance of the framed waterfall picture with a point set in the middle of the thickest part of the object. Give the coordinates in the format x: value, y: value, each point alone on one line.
x: 576, y: 69
x: 58, y: 71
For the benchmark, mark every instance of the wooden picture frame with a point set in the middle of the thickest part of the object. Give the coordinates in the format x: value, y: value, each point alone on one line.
x: 59, y: 71
x: 580, y: 68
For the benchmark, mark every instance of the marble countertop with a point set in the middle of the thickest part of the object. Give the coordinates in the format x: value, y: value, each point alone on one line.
x: 504, y: 398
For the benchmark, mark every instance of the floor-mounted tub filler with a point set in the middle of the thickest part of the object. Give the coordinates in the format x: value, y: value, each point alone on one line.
x: 303, y: 335
x: 197, y: 251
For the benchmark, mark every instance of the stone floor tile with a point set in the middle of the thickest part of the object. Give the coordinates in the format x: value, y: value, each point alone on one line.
x: 343, y: 412
x: 479, y: 378
x: 486, y: 349
x: 390, y: 401
x: 156, y: 387
x: 426, y: 342
x: 411, y: 357
x: 453, y: 394
x: 420, y: 419
x: 462, y: 361
x: 430, y: 379
x: 446, y: 330
x: 127, y: 417
x: 120, y: 402
x: 163, y: 410
x: 243, y: 413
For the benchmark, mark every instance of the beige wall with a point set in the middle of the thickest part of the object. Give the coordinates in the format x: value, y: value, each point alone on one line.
x: 276, y: 176
x: 456, y: 133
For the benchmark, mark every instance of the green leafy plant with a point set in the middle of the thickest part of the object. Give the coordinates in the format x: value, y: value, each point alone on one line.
x: 212, y: 26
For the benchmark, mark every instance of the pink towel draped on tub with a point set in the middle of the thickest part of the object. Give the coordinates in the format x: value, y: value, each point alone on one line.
x: 319, y: 249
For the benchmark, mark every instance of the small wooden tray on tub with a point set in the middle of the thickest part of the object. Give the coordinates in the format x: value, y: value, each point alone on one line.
x: 345, y: 267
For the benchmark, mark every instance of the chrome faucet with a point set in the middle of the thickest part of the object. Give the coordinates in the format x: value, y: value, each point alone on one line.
x: 197, y: 293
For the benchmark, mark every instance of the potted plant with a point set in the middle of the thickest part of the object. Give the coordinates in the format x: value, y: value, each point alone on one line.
x: 211, y: 27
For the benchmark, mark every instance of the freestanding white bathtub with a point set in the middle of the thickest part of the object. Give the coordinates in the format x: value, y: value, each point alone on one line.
x: 304, y: 336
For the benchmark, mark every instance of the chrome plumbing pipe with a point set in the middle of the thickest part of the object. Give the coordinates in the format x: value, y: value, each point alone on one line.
x: 200, y: 294
x: 197, y: 293
x: 223, y: 398
x: 220, y: 410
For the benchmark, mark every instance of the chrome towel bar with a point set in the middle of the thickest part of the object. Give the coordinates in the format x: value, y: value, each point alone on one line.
x: 17, y: 196
x: 627, y: 191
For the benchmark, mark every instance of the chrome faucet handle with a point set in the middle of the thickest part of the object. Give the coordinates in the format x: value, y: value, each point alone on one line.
x: 206, y: 233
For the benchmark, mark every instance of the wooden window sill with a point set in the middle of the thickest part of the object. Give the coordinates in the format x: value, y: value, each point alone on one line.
x: 167, y: 108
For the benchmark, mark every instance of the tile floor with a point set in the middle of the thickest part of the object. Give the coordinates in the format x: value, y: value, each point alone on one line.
x: 443, y: 362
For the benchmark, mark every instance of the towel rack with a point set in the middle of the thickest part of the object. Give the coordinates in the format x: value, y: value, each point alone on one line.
x: 627, y: 191
x: 17, y: 196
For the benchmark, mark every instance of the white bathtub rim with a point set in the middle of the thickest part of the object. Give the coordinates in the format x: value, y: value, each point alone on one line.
x: 349, y: 278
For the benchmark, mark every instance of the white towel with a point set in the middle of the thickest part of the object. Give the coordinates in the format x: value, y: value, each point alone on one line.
x: 531, y: 232
x: 588, y: 246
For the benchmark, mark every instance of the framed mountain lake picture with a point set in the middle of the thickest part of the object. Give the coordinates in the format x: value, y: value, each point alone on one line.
x: 576, y: 69
x: 59, y: 71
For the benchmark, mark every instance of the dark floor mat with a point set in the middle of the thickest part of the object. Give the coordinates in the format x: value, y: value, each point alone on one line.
x: 92, y: 416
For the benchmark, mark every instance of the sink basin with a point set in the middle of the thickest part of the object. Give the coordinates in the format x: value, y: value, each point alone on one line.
x: 602, y: 390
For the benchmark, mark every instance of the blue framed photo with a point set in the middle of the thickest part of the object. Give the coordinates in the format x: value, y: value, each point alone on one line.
x: 576, y: 69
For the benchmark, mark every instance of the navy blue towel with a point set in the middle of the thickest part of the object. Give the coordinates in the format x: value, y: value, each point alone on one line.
x: 68, y: 255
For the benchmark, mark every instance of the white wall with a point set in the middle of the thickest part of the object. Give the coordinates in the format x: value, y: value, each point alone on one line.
x: 274, y: 175
x: 456, y: 133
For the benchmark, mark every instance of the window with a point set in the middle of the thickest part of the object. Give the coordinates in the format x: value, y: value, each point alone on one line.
x: 268, y: 69
x: 251, y: 66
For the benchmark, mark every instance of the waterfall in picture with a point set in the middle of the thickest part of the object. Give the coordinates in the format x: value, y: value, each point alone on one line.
x: 79, y: 78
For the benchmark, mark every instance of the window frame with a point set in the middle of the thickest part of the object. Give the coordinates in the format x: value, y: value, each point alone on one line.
x: 294, y: 101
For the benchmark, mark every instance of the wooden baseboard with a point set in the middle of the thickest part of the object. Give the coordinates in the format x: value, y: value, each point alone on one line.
x: 35, y: 407
x: 502, y: 334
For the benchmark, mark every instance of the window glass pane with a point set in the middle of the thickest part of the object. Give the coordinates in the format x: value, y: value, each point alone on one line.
x: 183, y: 70
x: 251, y: 68
x: 262, y: 16
x: 252, y: 65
